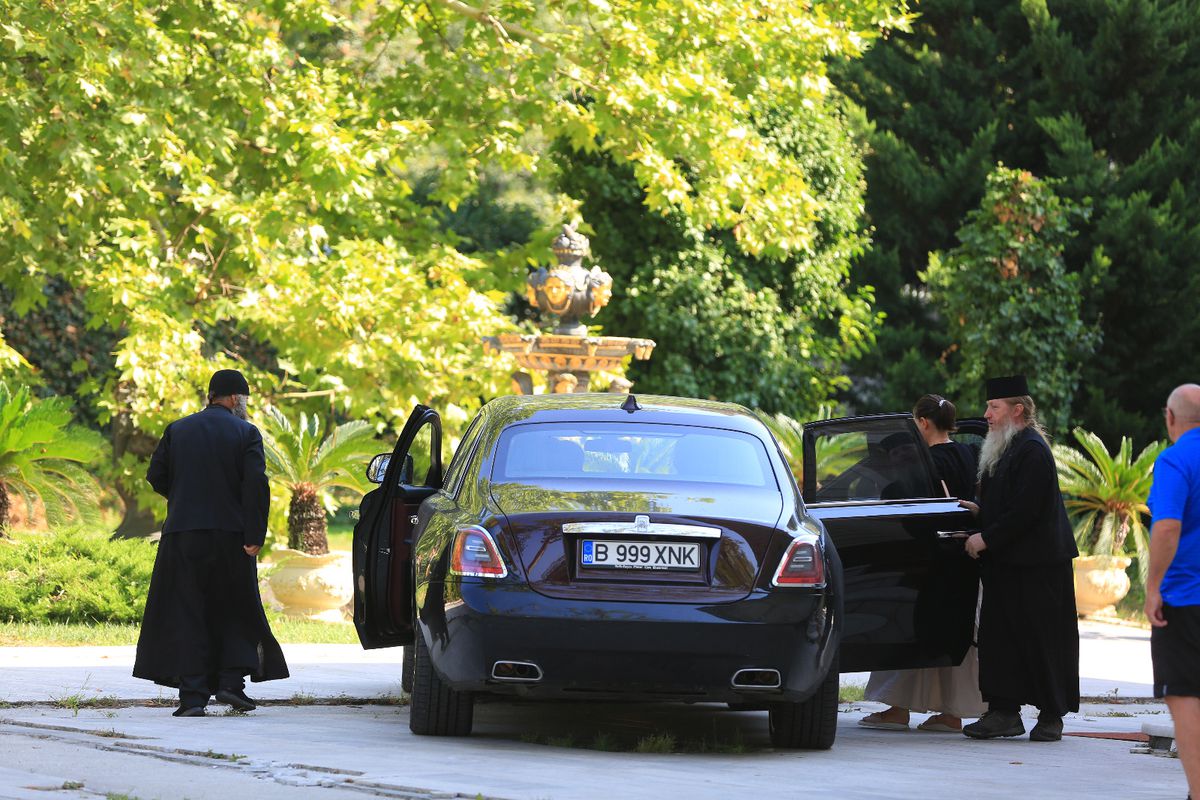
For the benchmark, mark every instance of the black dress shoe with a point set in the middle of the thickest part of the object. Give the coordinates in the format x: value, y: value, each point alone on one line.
x: 189, y: 711
x: 995, y: 724
x: 236, y: 698
x: 1048, y: 729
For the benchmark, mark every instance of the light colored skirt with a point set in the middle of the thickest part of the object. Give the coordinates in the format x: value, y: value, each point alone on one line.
x: 945, y: 690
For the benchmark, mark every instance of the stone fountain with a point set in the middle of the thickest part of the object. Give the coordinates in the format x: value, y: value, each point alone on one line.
x: 568, y: 354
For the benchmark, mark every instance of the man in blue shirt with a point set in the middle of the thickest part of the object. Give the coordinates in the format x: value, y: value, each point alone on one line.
x: 1173, y: 583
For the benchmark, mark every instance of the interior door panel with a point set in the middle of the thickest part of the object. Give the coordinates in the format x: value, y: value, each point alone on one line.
x: 909, y: 593
x: 384, y: 534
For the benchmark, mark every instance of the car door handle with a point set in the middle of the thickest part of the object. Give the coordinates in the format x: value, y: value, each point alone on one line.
x: 954, y: 534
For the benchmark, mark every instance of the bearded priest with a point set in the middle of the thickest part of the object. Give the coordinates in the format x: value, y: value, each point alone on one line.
x: 1028, y: 628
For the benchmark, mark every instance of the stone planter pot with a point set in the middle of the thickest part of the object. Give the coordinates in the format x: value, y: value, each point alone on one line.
x: 313, y: 587
x: 1100, y: 583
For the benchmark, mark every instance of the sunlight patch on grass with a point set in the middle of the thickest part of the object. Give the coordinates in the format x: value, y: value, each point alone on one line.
x: 851, y: 693
x: 80, y: 634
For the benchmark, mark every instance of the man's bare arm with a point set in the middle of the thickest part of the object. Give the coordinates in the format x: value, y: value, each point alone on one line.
x: 1164, y: 541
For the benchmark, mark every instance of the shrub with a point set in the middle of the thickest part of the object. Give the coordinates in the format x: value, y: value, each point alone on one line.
x: 74, y: 576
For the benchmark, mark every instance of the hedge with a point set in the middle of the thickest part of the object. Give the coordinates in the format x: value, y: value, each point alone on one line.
x: 74, y: 576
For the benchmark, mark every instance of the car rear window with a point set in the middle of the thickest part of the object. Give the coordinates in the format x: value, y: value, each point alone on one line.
x: 631, y: 451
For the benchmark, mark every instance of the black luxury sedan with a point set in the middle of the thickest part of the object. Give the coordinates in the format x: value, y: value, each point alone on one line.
x: 617, y: 547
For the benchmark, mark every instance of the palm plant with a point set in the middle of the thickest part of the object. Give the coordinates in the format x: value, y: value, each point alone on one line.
x: 1106, y: 495
x: 308, y: 467
x: 789, y: 433
x: 43, y: 458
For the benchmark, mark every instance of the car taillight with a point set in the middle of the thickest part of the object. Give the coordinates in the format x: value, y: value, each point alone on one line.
x: 475, y: 554
x: 802, y: 564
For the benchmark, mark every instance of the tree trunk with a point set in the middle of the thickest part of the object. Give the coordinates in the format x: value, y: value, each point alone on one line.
x: 136, y: 521
x: 306, y: 521
x: 4, y: 507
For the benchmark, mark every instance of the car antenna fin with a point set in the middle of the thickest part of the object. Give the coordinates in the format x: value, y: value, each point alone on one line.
x: 630, y: 404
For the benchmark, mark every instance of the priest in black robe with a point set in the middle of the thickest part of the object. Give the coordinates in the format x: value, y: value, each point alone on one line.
x: 1028, y: 628
x: 204, y: 629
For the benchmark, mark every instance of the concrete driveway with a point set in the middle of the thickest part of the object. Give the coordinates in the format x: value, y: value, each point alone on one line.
x: 297, y: 749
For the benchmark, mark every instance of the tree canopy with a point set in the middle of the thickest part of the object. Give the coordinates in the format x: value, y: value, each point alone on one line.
x: 273, y: 185
x: 1098, y: 94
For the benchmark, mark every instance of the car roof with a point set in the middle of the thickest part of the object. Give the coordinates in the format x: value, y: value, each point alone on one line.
x: 606, y: 407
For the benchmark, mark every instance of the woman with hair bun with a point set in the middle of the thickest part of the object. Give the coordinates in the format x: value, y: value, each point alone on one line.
x: 951, y: 693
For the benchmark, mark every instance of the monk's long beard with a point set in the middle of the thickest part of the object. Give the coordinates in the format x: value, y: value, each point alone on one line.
x: 995, y: 446
x: 239, y: 406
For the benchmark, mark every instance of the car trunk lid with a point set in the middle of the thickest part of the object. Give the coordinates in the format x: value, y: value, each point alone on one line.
x: 684, y: 546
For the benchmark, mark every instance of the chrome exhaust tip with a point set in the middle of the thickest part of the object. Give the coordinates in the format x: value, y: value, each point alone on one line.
x: 516, y: 672
x: 756, y: 679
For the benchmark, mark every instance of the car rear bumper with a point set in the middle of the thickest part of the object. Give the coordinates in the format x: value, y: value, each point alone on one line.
x: 626, y: 651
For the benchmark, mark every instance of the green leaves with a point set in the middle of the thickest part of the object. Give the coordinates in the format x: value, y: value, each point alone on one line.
x: 298, y: 454
x: 767, y: 333
x: 1010, y: 302
x: 307, y: 466
x: 43, y: 457
x: 230, y: 182
x: 1106, y: 494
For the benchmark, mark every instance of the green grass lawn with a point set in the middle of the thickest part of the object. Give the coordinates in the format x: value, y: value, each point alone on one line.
x: 75, y: 634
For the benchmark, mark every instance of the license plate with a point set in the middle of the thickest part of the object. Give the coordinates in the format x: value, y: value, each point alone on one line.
x: 640, y: 555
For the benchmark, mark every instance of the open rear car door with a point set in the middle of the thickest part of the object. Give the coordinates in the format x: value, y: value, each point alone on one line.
x: 910, y: 591
x: 383, y: 537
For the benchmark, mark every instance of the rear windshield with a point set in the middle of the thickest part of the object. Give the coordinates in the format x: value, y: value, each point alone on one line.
x: 634, y: 452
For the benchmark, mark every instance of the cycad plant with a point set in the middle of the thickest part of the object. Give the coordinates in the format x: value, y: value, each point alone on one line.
x: 44, y: 457
x: 308, y: 467
x: 1106, y: 495
x: 789, y: 432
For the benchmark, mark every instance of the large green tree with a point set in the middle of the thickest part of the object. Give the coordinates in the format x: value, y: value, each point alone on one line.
x: 1100, y: 94
x: 233, y: 182
x: 771, y: 333
x: 1008, y: 297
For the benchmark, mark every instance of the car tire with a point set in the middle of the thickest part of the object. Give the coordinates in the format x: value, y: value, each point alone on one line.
x: 406, y: 668
x: 436, y: 709
x: 812, y: 724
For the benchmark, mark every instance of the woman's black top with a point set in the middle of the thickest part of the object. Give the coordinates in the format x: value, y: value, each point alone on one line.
x: 955, y: 463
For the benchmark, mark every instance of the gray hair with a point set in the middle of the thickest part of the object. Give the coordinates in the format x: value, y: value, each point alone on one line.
x: 1029, y: 416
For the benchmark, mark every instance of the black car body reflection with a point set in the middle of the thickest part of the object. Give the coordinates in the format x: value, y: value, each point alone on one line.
x: 577, y: 549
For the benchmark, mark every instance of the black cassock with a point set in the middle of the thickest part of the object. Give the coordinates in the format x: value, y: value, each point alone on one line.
x: 204, y: 615
x: 1028, y: 628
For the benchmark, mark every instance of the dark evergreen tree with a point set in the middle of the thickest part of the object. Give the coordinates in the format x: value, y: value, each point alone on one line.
x: 1118, y: 100
x: 1098, y: 93
x: 942, y: 114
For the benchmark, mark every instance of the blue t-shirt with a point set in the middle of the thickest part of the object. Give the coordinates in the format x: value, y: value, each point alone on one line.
x: 1176, y: 495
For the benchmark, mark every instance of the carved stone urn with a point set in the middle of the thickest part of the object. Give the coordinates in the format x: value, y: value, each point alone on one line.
x: 1100, y: 583
x: 313, y: 587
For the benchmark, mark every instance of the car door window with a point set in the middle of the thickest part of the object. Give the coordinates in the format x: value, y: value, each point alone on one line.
x: 458, y: 463
x: 421, y: 451
x: 861, y: 460
x: 971, y: 432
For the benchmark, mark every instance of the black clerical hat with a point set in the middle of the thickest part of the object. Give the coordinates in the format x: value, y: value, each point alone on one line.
x: 1010, y: 386
x: 226, y: 382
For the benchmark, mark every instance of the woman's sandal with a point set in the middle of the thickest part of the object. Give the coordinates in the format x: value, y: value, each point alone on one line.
x: 877, y: 722
x: 933, y: 726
